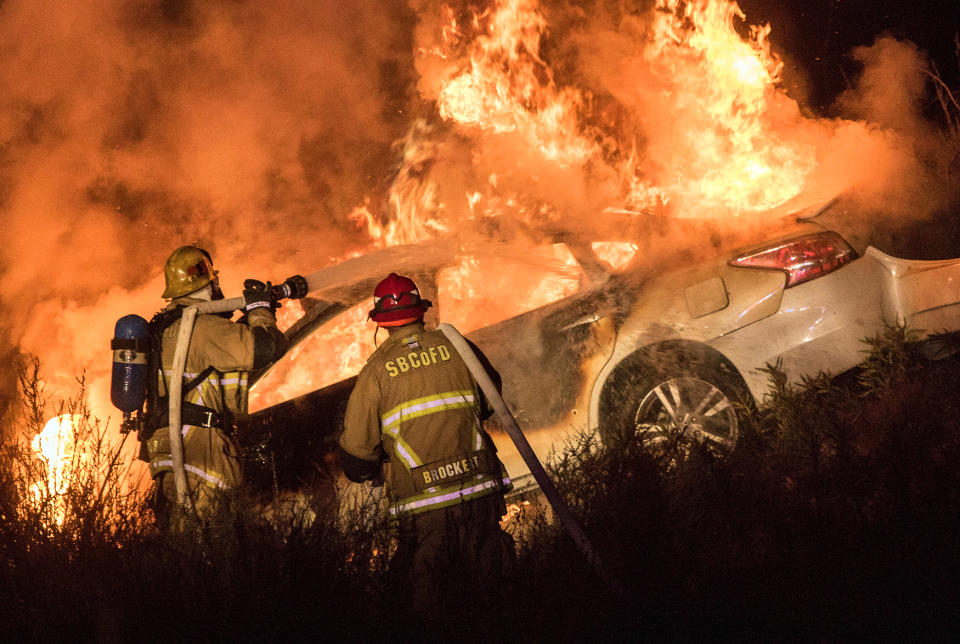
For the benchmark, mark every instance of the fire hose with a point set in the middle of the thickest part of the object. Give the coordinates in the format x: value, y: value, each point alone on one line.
x: 314, y: 282
x: 509, y: 422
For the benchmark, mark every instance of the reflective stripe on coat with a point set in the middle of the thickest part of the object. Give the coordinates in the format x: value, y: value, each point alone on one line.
x: 414, y: 403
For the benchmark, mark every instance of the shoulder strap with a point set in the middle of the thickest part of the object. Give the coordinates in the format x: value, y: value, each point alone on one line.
x: 157, y: 325
x: 200, y: 377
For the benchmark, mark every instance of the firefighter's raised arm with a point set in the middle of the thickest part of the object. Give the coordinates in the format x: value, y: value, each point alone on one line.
x: 269, y: 343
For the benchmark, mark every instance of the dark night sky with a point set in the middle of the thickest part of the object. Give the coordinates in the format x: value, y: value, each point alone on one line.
x: 820, y: 34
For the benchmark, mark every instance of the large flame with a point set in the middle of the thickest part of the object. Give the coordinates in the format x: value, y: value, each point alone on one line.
x: 722, y: 139
x: 60, y: 454
x: 721, y: 136
x: 507, y: 87
x: 729, y: 149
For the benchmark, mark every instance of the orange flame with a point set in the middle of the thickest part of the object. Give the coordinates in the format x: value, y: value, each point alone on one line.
x: 416, y: 213
x: 319, y: 360
x: 616, y: 254
x: 708, y: 131
x: 507, y: 87
x: 722, y: 136
x: 479, y: 294
x: 56, y: 446
x: 723, y: 153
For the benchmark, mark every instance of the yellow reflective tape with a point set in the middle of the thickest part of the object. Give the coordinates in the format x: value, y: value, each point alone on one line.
x: 431, y: 410
x: 387, y: 419
x: 212, y: 479
x: 445, y: 497
x: 406, y: 453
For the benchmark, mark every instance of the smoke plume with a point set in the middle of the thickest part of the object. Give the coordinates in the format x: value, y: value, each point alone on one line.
x: 129, y: 129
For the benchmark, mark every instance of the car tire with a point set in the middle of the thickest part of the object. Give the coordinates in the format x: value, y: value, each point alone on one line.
x: 680, y: 393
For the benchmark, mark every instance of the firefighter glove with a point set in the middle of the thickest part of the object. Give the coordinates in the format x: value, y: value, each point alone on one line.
x: 257, y: 295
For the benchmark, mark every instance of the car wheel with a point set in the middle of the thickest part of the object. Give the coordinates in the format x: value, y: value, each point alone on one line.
x: 676, y: 397
x: 690, y: 407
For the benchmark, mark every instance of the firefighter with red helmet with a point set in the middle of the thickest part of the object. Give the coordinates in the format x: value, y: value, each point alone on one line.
x: 414, y: 418
x: 219, y: 358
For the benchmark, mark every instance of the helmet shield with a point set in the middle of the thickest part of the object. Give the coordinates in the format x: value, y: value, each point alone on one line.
x: 188, y: 269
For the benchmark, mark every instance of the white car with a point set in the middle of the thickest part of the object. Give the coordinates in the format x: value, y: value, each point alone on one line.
x: 668, y: 325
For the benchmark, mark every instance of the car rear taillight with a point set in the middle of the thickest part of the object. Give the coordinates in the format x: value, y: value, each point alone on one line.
x: 803, y: 258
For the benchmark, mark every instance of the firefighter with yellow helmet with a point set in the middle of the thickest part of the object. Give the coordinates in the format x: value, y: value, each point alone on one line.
x: 414, y: 418
x: 219, y: 359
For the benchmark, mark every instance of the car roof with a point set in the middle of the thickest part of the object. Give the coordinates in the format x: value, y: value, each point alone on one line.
x: 345, y: 283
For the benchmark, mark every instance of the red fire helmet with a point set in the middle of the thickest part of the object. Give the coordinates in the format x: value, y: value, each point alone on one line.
x: 397, y: 301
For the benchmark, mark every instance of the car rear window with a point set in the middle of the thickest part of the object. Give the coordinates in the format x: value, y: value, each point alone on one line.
x: 482, y: 291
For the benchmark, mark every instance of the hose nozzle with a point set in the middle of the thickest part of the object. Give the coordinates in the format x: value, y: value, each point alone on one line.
x: 294, y: 286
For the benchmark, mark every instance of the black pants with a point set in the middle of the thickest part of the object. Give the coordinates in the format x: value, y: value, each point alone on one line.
x: 454, y: 557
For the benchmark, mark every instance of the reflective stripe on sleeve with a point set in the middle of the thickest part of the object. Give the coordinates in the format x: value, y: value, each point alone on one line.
x: 208, y: 478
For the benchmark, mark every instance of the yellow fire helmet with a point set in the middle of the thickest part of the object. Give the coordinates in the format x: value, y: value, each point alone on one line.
x: 188, y: 269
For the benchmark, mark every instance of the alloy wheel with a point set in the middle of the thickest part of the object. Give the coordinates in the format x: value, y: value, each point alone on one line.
x: 690, y: 407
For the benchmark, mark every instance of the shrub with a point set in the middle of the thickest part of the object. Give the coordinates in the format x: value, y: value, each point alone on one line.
x: 836, y: 516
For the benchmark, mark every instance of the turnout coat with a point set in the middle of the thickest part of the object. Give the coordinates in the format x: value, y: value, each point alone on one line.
x: 416, y: 406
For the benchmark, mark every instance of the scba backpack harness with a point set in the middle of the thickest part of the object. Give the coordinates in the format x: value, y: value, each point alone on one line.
x: 138, y: 372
